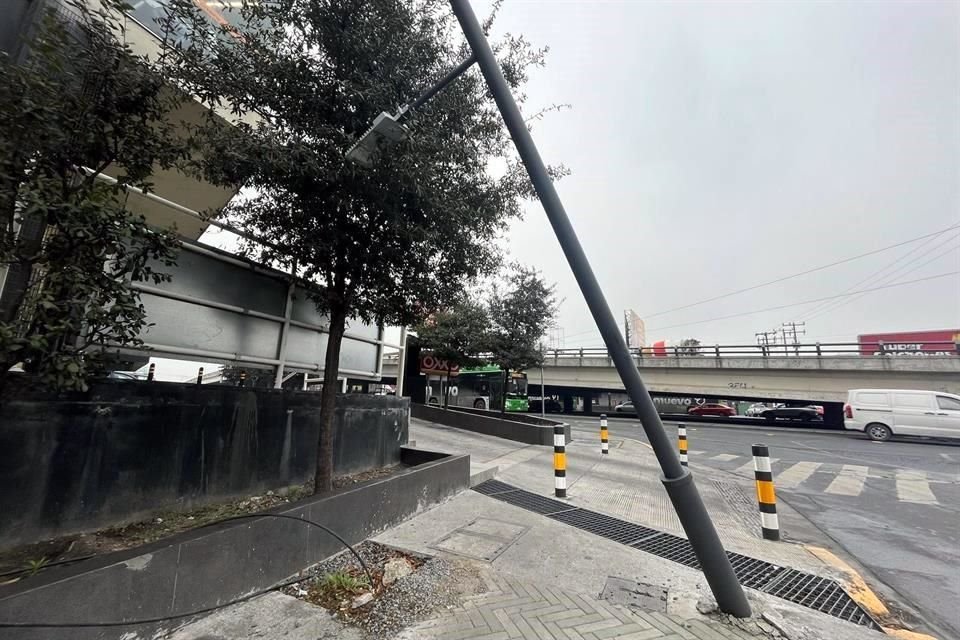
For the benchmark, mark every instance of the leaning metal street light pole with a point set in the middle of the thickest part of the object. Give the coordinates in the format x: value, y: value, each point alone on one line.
x: 676, y: 479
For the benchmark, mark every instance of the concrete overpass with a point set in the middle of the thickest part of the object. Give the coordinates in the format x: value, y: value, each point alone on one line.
x: 815, y: 379
x: 818, y: 375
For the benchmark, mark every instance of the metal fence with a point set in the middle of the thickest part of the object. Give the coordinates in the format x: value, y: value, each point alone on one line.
x: 811, y: 350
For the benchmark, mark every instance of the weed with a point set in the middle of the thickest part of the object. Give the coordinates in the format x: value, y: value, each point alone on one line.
x: 34, y: 565
x: 343, y: 581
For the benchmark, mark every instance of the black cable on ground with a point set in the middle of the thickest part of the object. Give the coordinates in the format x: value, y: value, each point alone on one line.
x: 196, y: 612
x: 252, y: 516
x: 45, y: 566
x: 125, y: 623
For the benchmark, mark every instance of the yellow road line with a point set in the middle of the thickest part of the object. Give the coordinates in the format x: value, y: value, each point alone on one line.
x: 863, y: 595
x: 907, y: 635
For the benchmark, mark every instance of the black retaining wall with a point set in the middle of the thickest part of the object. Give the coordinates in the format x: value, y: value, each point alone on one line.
x: 126, y: 450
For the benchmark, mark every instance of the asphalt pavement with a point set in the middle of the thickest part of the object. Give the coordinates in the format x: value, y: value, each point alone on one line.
x: 893, y: 506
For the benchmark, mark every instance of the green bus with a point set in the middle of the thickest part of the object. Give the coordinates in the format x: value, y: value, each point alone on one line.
x: 480, y: 388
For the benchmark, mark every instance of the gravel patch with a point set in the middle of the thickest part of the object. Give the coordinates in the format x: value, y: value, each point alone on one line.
x: 435, y: 584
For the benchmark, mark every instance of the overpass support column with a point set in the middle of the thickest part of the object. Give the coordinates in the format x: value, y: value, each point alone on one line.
x: 588, y: 403
x: 568, y: 403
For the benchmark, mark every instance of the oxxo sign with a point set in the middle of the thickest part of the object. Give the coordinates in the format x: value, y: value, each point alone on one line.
x: 431, y: 364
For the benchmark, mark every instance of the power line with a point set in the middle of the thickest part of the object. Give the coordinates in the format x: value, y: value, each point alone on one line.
x: 795, y: 304
x: 802, y: 273
x: 877, y: 278
x: 832, y: 306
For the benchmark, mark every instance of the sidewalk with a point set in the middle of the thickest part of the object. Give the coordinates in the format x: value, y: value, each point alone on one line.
x: 532, y: 557
x: 543, y: 579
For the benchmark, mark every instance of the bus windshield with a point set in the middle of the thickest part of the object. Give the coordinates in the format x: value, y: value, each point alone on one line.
x: 517, y: 387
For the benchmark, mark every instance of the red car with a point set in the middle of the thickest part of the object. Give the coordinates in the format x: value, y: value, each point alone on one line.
x: 711, y: 410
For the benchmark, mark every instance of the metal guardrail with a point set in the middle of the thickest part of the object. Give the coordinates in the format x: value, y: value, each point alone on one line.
x: 945, y: 348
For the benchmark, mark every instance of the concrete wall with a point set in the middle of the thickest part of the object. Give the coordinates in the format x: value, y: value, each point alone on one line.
x: 127, y: 450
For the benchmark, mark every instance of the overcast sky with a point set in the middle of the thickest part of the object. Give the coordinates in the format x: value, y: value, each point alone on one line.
x: 719, y: 145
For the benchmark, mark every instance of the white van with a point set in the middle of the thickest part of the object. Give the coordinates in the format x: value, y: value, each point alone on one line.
x: 881, y: 413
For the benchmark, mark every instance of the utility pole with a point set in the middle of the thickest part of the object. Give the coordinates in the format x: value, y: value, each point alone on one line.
x: 763, y: 339
x: 677, y: 479
x: 791, y: 329
x: 543, y: 396
x: 626, y: 328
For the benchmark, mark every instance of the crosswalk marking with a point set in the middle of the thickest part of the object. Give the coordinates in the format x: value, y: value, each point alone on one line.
x: 849, y: 482
x: 796, y: 474
x: 747, y: 467
x: 912, y: 486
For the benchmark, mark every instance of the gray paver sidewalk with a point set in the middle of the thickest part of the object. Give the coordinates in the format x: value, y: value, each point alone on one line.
x: 516, y: 609
x: 626, y: 484
x: 543, y: 578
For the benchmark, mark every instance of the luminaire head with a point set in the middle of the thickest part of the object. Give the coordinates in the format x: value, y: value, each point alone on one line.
x: 385, y: 131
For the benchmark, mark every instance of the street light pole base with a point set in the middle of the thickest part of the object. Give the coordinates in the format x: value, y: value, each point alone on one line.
x: 705, y: 542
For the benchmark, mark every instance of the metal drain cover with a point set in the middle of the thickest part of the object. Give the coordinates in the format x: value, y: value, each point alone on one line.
x: 628, y: 593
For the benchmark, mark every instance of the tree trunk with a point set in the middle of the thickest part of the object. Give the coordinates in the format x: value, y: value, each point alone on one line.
x: 323, y: 480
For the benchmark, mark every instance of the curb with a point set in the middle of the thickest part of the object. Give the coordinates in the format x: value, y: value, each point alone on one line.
x: 858, y: 590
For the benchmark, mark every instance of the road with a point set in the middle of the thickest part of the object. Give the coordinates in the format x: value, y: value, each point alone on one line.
x: 893, y: 506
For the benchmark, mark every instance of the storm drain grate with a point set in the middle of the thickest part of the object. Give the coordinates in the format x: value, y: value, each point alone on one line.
x: 490, y: 487
x: 532, y: 502
x: 821, y: 594
x: 670, y: 547
x: 604, y: 525
x: 754, y: 573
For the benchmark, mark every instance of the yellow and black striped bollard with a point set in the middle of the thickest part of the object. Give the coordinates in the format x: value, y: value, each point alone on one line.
x: 151, y: 371
x: 559, y: 462
x: 200, y: 376
x: 604, y: 436
x: 682, y: 437
x: 766, y: 495
x: 243, y: 379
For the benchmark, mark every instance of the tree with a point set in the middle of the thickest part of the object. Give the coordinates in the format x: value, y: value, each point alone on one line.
x: 520, y: 314
x: 81, y: 102
x: 458, y: 335
x: 388, y: 244
x: 689, y: 347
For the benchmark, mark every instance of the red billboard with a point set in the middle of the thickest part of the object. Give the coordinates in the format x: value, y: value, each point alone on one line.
x: 429, y: 363
x: 911, y: 343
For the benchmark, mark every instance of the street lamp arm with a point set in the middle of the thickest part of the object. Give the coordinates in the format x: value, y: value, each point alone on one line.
x: 388, y: 129
x: 455, y: 73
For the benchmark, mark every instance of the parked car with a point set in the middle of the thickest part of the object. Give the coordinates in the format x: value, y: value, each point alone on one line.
x: 711, y: 409
x: 756, y: 410
x: 818, y: 408
x: 883, y: 413
x: 806, y: 414
x: 625, y: 407
x: 551, y: 405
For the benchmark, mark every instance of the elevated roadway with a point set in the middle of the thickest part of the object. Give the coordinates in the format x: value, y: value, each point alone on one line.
x: 816, y: 379
x: 809, y: 373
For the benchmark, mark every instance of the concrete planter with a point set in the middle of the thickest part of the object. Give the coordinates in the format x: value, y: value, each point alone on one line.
x: 213, y: 565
